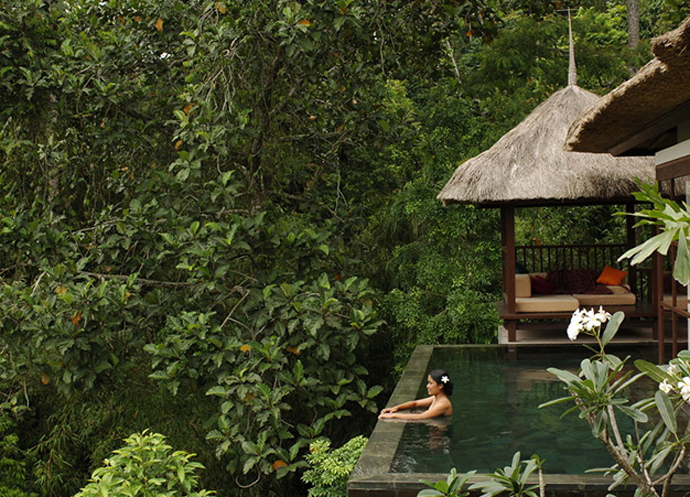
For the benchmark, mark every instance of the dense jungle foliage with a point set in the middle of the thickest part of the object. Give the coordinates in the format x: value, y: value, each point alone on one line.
x: 218, y: 219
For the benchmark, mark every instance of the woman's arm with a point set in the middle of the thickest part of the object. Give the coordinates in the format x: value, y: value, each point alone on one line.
x: 408, y: 405
x: 439, y: 409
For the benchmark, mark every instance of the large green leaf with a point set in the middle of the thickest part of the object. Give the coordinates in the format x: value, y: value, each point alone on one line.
x: 612, y: 327
x: 427, y: 492
x: 681, y: 269
x: 652, y: 370
x: 648, y: 247
x: 634, y: 414
x: 565, y: 376
x: 668, y: 415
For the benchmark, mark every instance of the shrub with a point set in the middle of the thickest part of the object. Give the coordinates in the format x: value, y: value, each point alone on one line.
x: 330, y: 469
x: 13, y: 462
x: 146, y: 467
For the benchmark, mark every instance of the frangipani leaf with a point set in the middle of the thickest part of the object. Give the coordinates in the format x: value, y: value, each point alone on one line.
x: 556, y: 401
x: 613, y: 362
x: 668, y: 415
x: 652, y: 370
x: 681, y: 269
x: 648, y: 247
x: 564, y: 376
x: 634, y: 414
x: 612, y: 327
x: 428, y: 492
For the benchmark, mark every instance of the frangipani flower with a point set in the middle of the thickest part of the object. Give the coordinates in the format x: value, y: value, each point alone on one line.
x: 575, y: 325
x: 602, y: 316
x: 586, y: 321
x: 665, y: 386
x: 445, y: 379
x: 684, y: 387
x: 589, y: 320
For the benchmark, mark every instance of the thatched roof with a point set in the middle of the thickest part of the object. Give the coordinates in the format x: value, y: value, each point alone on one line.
x: 529, y: 165
x: 658, y: 88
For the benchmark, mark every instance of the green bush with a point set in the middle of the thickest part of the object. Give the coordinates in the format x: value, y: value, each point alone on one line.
x: 13, y: 462
x: 330, y: 469
x: 146, y: 467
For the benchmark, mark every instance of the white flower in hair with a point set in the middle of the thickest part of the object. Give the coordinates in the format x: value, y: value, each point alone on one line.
x: 445, y: 379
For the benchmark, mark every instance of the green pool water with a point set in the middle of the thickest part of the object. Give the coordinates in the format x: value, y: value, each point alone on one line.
x: 496, y: 403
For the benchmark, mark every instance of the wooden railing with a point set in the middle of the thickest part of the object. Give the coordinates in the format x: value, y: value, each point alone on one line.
x: 545, y: 258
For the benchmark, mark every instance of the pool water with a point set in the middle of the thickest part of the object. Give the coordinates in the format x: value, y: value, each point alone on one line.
x: 496, y: 403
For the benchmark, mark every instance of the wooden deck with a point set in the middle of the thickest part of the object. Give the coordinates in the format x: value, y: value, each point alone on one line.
x: 637, y: 327
x: 641, y: 310
x: 634, y: 331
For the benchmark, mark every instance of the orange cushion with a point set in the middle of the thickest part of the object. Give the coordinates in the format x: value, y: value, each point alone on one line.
x: 611, y: 276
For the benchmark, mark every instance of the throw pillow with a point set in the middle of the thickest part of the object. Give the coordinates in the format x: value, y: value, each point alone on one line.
x: 571, y: 280
x: 541, y: 286
x: 611, y: 276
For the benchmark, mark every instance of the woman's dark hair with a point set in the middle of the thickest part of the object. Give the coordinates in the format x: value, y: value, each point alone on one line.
x: 438, y: 376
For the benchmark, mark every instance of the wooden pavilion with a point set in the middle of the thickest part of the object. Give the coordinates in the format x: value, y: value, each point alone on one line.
x: 528, y: 167
x: 649, y: 115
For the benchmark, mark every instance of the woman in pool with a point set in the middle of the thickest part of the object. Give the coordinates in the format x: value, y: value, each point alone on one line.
x: 439, y: 388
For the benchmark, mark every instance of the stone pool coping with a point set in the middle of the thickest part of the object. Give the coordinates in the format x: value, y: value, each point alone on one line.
x: 372, y: 477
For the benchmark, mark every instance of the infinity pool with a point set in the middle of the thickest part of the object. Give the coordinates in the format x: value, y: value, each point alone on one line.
x: 498, y: 390
x: 496, y: 404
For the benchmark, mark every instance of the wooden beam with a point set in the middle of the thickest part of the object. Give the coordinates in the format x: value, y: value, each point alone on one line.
x: 657, y: 299
x: 631, y: 242
x: 673, y: 169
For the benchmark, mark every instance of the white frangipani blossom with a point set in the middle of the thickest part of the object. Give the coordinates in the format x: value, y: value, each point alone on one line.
x: 602, y: 316
x: 684, y: 387
x: 586, y: 321
x: 665, y: 386
x: 575, y: 325
x: 589, y: 320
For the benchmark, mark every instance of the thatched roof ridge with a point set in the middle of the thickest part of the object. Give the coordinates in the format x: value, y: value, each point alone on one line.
x: 529, y: 164
x: 659, y: 87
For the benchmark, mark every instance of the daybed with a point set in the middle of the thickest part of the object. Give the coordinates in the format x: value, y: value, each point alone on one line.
x: 544, y: 292
x: 555, y: 295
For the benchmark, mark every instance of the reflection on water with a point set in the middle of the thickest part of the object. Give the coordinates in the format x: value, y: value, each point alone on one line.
x: 496, y: 414
x: 432, y: 442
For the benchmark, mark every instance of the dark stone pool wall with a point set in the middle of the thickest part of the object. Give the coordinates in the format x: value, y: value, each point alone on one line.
x: 372, y: 476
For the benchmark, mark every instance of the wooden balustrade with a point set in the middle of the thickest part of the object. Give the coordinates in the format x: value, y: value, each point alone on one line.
x: 545, y: 258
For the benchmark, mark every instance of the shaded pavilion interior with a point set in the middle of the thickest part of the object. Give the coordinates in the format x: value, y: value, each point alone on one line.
x: 529, y: 167
x: 649, y: 115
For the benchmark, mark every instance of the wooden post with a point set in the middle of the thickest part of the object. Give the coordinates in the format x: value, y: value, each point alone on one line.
x: 674, y: 304
x: 657, y: 296
x: 631, y: 242
x: 508, y: 256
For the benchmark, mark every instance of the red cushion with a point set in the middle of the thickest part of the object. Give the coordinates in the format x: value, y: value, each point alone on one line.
x: 541, y: 286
